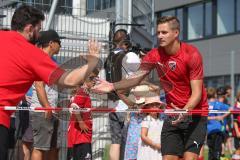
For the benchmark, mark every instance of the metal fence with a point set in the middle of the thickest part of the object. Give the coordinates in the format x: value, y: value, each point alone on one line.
x: 75, y: 21
x: 77, y: 27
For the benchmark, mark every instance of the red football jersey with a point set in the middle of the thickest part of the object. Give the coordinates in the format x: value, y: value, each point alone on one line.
x: 21, y: 64
x: 76, y: 136
x: 175, y: 73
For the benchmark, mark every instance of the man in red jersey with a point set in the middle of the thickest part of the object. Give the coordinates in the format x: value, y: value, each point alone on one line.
x: 183, y: 69
x: 22, y: 63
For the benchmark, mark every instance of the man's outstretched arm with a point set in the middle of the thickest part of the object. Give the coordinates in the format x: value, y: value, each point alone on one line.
x: 78, y: 75
x: 132, y: 81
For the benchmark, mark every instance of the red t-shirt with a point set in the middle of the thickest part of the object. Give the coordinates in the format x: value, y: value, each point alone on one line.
x: 175, y: 73
x: 236, y: 118
x: 76, y: 136
x: 21, y: 64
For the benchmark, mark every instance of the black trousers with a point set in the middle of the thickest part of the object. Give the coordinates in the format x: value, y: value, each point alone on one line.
x: 214, y: 142
x: 4, y: 142
x: 82, y: 151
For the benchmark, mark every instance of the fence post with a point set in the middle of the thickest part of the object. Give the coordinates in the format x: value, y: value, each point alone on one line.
x: 51, y: 14
x: 232, y: 77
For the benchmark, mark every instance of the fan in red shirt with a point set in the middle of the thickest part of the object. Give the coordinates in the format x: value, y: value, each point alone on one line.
x: 22, y: 63
x: 236, y: 129
x: 80, y: 125
x: 180, y: 70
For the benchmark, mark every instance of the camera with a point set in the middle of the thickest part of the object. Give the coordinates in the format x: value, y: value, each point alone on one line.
x: 139, y: 50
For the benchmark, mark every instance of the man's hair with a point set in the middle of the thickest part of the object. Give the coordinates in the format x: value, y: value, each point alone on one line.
x: 227, y: 87
x: 171, y: 20
x: 25, y: 15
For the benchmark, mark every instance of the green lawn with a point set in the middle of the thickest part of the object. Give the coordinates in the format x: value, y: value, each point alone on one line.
x: 228, y: 156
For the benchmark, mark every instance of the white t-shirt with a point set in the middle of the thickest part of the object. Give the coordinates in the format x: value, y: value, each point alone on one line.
x: 154, y: 133
x: 130, y: 64
x: 52, y: 96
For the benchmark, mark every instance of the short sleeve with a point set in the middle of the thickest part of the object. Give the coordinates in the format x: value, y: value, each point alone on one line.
x: 195, y: 65
x: 149, y: 61
x: 146, y: 122
x: 45, y: 69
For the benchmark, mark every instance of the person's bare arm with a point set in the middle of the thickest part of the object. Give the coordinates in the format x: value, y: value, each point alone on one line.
x: 78, y: 75
x: 218, y: 118
x: 146, y: 140
x: 235, y: 124
x: 81, y: 123
x: 196, y: 87
x: 152, y: 87
x: 42, y: 97
x: 195, y: 98
x: 125, y: 99
x: 134, y: 80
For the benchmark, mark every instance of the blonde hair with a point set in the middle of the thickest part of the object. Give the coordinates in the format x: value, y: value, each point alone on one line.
x: 211, y: 92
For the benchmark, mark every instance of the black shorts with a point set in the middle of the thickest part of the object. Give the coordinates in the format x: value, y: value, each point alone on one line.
x: 236, y: 143
x: 82, y: 151
x: 4, y: 142
x: 187, y: 136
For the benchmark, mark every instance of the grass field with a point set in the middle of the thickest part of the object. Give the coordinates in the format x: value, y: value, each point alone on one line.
x: 227, y: 155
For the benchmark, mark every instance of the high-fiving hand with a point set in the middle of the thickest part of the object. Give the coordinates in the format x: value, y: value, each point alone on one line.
x: 102, y: 86
x: 181, y: 116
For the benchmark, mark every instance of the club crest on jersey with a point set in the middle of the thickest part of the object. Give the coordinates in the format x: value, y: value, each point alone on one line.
x: 172, y: 65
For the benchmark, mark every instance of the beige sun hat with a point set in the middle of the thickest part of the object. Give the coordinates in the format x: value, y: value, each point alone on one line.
x: 153, y: 98
x: 136, y: 99
x: 140, y: 91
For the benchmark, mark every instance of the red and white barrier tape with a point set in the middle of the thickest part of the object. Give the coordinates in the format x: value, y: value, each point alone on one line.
x: 108, y: 110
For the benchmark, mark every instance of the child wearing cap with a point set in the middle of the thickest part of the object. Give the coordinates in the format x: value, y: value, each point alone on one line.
x: 150, y: 143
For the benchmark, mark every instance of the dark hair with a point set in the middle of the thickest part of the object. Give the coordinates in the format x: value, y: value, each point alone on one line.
x: 221, y: 91
x: 120, y: 35
x: 45, y: 45
x: 26, y: 15
x: 227, y: 87
x: 172, y: 20
x: 238, y: 96
x: 4, y: 29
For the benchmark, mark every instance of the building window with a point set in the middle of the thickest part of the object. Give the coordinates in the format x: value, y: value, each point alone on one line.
x: 180, y: 18
x: 208, y: 19
x: 195, y: 22
x: 90, y: 6
x: 98, y: 4
x: 179, y: 14
x: 225, y: 16
x: 63, y: 6
x: 93, y: 5
x: 112, y: 3
x: 238, y: 15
